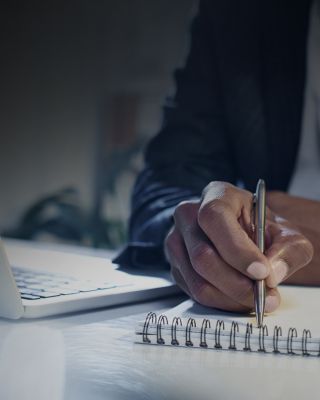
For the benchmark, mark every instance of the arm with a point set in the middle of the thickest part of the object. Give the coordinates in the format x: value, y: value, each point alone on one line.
x: 207, y: 241
x: 305, y: 214
x: 214, y: 259
x: 191, y: 148
x: 207, y: 237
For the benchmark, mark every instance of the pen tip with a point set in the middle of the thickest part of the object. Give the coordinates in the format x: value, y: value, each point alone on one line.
x: 259, y: 318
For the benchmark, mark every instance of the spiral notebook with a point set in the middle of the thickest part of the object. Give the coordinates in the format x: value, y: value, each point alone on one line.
x: 294, y: 329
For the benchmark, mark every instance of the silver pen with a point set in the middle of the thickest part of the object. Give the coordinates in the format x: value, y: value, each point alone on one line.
x: 259, y: 204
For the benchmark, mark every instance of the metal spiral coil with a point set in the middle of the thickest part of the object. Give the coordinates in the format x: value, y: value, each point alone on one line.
x: 276, y: 333
x: 263, y: 331
x: 190, y: 324
x: 291, y: 334
x: 304, y: 345
x: 217, y: 334
x: 151, y: 317
x: 247, y: 346
x: 176, y: 321
x: 162, y: 320
x: 203, y: 333
x: 234, y: 329
x: 292, y: 340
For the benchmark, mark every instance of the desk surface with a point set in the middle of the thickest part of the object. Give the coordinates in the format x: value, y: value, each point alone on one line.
x: 82, y: 356
x: 92, y: 356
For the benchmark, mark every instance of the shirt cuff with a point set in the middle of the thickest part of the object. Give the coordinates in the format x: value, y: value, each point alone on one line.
x: 144, y: 255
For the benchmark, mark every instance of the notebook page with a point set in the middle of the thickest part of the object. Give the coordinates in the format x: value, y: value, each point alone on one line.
x: 299, y: 310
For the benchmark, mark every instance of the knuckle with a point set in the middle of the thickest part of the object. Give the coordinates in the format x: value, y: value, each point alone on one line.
x: 217, y: 185
x: 220, y: 189
x: 199, y: 291
x: 183, y: 208
x: 243, y: 293
x: 201, y: 256
x: 210, y: 211
x: 180, y: 208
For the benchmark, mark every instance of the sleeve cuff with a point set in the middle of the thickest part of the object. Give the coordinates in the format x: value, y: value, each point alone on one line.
x: 144, y: 255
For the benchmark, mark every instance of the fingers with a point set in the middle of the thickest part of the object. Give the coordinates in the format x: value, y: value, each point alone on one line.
x: 178, y: 278
x: 214, y: 260
x: 202, y: 290
x: 222, y: 208
x: 187, y: 278
x: 289, y: 251
x: 273, y: 300
x: 207, y: 262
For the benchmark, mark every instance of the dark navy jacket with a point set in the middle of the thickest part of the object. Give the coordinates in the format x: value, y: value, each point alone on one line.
x: 236, y: 115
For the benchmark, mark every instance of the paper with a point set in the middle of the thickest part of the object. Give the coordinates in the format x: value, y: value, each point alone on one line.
x: 293, y: 328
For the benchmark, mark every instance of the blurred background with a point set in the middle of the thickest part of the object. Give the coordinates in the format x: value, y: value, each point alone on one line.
x: 82, y: 84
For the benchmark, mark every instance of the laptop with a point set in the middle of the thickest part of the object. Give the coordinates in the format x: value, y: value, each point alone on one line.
x: 38, y: 280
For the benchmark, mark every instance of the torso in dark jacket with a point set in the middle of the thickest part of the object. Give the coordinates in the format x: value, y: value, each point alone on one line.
x: 236, y: 115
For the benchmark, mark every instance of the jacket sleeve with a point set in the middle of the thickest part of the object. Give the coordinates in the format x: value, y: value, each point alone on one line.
x: 190, y: 150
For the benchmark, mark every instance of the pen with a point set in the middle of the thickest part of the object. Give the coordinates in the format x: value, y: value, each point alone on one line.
x: 259, y: 204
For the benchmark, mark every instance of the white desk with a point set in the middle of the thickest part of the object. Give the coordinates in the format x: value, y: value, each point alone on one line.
x: 76, y: 356
x: 91, y: 356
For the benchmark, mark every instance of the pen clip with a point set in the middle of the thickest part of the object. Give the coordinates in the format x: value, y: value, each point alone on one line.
x: 253, y: 217
x: 260, y: 215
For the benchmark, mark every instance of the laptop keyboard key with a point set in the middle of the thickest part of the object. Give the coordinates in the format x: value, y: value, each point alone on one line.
x: 36, y: 287
x: 21, y: 285
x: 35, y: 284
x: 29, y: 297
x: 68, y: 291
x: 32, y: 281
x: 88, y: 288
x: 46, y: 295
x: 30, y: 291
x: 107, y: 286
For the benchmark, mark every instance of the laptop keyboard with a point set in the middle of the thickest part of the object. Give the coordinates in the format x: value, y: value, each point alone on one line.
x: 34, y: 285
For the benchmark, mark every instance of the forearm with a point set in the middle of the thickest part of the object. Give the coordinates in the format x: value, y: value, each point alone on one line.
x: 154, y: 199
x: 300, y: 211
x: 192, y: 147
x: 305, y: 214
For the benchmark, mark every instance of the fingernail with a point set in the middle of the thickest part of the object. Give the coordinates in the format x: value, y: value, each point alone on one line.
x: 280, y: 270
x: 257, y: 270
x: 272, y: 302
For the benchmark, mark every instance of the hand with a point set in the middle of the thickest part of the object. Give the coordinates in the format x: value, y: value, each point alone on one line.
x: 214, y: 259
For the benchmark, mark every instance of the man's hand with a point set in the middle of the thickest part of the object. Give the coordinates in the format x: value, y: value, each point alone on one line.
x: 214, y: 259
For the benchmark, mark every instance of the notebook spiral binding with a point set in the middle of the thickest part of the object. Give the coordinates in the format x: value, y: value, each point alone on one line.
x: 151, y: 319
